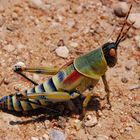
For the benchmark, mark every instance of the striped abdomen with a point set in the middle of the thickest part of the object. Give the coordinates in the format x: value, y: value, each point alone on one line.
x: 65, y: 80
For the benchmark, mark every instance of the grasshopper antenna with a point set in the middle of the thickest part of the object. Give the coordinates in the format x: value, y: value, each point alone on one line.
x: 120, y: 36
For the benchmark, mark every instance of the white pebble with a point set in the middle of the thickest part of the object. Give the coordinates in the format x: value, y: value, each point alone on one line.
x: 62, y: 51
x: 9, y: 48
x: 121, y: 9
x: 74, y: 44
x: 91, y: 121
x: 71, y: 23
x: 38, y: 3
x: 21, y: 46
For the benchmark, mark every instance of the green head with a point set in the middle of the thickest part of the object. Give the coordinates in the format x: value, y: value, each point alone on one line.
x: 110, y: 48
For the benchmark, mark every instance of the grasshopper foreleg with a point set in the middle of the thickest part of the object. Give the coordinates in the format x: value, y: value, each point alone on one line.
x: 107, y: 90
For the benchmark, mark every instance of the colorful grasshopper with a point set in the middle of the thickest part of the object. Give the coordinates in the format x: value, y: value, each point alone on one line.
x: 69, y: 81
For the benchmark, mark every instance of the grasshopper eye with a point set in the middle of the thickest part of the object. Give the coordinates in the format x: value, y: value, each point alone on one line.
x: 112, y: 52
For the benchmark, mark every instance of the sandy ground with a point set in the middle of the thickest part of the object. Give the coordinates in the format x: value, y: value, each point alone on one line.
x: 31, y: 32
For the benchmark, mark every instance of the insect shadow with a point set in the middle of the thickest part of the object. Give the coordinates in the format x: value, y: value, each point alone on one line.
x: 54, y: 111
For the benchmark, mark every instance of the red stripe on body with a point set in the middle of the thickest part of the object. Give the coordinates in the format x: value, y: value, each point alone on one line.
x: 75, y: 75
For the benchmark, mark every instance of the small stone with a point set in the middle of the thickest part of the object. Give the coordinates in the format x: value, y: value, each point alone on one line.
x: 71, y: 23
x: 9, y: 48
x: 21, y: 46
x: 62, y: 51
x: 124, y: 80
x: 91, y: 121
x: 39, y: 3
x: 102, y: 137
x: 128, y: 129
x: 34, y: 138
x: 57, y: 135
x: 74, y: 44
x: 121, y: 9
x: 134, y: 87
x: 6, y: 81
x: 136, y: 19
x: 78, y: 124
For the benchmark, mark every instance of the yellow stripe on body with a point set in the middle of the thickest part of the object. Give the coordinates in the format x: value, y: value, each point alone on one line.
x: 43, y: 102
x: 16, y: 107
x: 58, y: 96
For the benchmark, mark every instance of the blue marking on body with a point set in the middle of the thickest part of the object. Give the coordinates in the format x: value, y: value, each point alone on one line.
x: 41, y: 88
x: 19, y: 105
x: 61, y: 76
x: 51, y: 85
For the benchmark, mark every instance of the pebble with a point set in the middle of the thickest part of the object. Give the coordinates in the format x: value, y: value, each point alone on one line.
x: 91, y: 121
x: 78, y: 124
x: 102, y: 137
x: 134, y: 87
x: 39, y: 4
x: 135, y: 17
x: 62, y: 51
x: 56, y: 135
x: 9, y: 48
x: 71, y: 23
x: 6, y: 81
x: 128, y: 129
x: 21, y: 46
x: 74, y: 44
x: 124, y: 80
x: 34, y: 138
x: 121, y: 9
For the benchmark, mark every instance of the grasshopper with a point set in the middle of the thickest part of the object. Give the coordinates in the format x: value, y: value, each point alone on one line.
x: 69, y: 81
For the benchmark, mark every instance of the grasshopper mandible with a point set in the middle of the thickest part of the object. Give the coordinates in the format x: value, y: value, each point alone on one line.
x: 69, y: 81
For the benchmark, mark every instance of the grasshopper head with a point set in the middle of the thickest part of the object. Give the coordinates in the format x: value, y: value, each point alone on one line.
x: 110, y: 53
x: 110, y: 49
